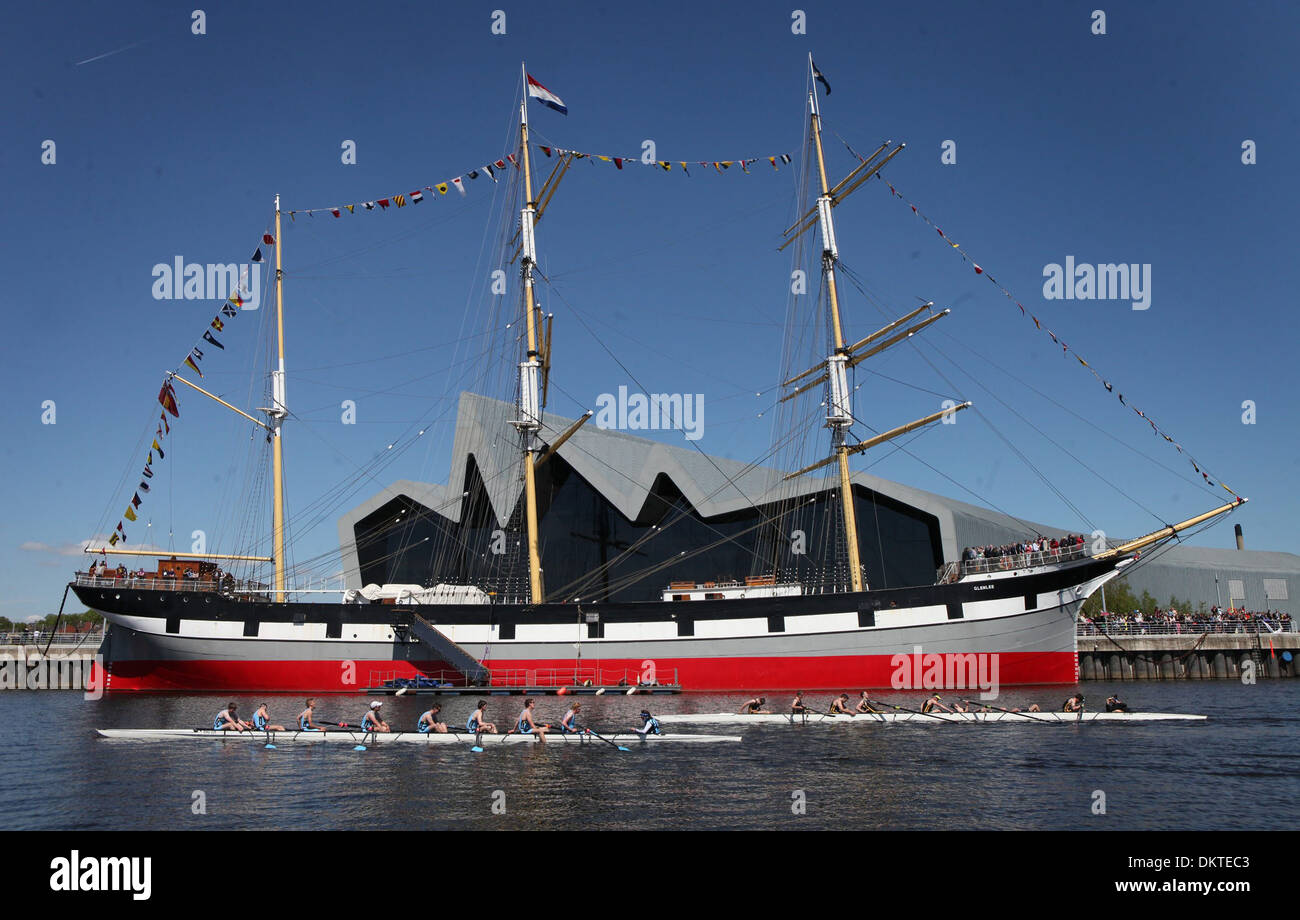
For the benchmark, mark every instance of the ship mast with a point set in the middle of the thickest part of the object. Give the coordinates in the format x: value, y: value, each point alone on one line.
x: 277, y: 414
x: 839, y: 413
x: 529, y: 421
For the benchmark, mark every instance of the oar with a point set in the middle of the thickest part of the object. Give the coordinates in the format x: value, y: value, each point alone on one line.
x: 1027, y: 715
x: 606, y: 740
x: 916, y: 712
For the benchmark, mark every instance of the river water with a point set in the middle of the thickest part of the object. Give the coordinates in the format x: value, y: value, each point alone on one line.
x: 1237, y: 770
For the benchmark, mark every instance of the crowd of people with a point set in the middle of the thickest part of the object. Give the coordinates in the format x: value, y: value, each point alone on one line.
x: 1166, y: 621
x: 1023, y: 553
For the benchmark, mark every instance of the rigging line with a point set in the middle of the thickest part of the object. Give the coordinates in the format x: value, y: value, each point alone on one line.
x: 634, y: 379
x: 1006, y: 293
x: 613, y: 328
x: 992, y: 427
x: 682, y: 514
x: 1050, y: 440
x: 402, y: 237
x: 1198, y: 483
x: 669, y: 243
x: 1147, y: 557
x: 400, y: 354
x: 904, y: 383
x: 439, y: 520
x: 378, y: 462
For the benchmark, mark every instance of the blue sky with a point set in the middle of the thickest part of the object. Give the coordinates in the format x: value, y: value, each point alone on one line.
x: 1123, y: 147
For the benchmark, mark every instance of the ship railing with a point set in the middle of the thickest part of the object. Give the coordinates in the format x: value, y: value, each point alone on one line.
x: 89, y: 638
x: 1013, y: 561
x: 225, y: 585
x: 1252, y: 627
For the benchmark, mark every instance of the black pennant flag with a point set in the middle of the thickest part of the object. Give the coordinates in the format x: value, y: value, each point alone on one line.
x: 817, y: 75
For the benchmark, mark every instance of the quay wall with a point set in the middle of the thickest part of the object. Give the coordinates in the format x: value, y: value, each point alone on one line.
x: 1188, y: 657
x: 26, y: 667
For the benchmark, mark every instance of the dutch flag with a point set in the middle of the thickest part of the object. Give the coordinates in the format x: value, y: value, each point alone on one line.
x: 546, y: 97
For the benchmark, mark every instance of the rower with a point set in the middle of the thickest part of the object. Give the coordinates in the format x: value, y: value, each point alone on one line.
x: 373, y: 720
x: 527, y: 725
x: 935, y: 702
x: 262, y: 721
x: 864, y: 704
x: 1115, y: 704
x: 429, y: 722
x: 649, y: 724
x: 569, y: 724
x: 840, y: 706
x: 755, y: 706
x: 476, y: 722
x: 306, y: 722
x: 796, y: 706
x: 1073, y: 704
x: 228, y: 720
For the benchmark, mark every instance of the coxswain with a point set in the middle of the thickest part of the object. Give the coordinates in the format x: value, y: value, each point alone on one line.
x: 228, y: 720
x: 262, y: 721
x: 569, y: 724
x: 864, y: 704
x: 755, y: 706
x: 373, y: 720
x: 429, y: 722
x: 796, y: 706
x: 1073, y: 704
x: 935, y: 702
x: 1115, y: 704
x: 649, y: 724
x: 527, y: 725
x: 840, y: 706
x: 476, y: 722
x: 306, y: 722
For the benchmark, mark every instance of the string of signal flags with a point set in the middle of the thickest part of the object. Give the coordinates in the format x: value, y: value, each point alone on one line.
x: 1110, y: 387
x: 167, y: 395
x: 495, y: 168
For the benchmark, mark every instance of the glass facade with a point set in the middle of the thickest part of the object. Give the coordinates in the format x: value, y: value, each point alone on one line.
x: 590, y: 550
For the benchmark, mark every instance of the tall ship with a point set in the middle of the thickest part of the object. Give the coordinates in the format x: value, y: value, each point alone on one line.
x: 805, y: 612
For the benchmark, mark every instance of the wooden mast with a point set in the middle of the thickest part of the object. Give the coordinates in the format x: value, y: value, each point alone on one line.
x: 839, y: 415
x: 530, y: 420
x: 277, y: 413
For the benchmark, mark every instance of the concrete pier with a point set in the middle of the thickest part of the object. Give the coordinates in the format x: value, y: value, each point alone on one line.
x: 1216, y: 656
x: 26, y: 667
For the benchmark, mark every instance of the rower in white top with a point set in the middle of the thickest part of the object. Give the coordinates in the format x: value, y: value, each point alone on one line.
x: 373, y: 720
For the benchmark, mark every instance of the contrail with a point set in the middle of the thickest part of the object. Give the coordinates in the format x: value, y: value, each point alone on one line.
x: 108, y: 54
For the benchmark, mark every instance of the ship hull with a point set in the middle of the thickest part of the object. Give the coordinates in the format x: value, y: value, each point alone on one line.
x: 1000, y: 631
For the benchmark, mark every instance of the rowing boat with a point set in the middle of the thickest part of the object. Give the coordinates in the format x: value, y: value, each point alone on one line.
x: 735, y: 718
x: 373, y: 738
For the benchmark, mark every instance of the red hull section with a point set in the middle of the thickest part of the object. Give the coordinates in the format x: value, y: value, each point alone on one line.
x: 193, y: 676
x: 695, y: 674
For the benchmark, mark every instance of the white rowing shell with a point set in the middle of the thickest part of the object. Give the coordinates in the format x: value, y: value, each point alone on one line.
x: 372, y: 738
x: 735, y: 718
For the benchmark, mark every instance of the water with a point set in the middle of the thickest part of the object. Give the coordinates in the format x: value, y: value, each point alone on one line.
x: 1235, y: 771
